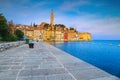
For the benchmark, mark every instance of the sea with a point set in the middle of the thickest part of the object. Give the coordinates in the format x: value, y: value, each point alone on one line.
x: 104, y: 54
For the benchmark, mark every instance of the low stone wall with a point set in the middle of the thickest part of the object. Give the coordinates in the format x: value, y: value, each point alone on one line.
x: 8, y: 45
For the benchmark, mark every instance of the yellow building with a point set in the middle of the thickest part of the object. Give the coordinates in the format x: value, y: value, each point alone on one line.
x: 48, y: 36
x: 85, y: 36
x: 59, y: 36
x: 29, y: 34
x: 37, y: 33
x: 71, y: 35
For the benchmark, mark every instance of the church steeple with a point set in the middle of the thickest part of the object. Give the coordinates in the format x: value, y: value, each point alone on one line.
x: 52, y: 18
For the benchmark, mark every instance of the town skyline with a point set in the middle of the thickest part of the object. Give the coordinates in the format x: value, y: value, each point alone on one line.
x: 100, y: 18
x: 51, y: 32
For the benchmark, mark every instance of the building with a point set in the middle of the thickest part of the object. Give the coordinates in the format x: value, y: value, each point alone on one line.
x: 85, y: 36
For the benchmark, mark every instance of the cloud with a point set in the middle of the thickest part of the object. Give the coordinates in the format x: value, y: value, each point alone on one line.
x: 106, y: 26
x: 69, y: 5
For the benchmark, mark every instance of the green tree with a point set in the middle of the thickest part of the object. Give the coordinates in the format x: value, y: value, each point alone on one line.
x: 46, y: 26
x: 0, y: 37
x: 19, y: 34
x: 3, y: 28
x: 11, y: 38
x: 71, y: 28
x: 60, y: 25
x: 34, y: 25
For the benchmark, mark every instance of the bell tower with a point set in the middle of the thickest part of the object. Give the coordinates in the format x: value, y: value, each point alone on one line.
x: 52, y: 19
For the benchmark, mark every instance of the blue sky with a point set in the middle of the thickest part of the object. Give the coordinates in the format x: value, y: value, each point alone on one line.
x: 99, y: 17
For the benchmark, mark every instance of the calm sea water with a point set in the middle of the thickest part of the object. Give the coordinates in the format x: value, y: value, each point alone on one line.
x: 101, y: 53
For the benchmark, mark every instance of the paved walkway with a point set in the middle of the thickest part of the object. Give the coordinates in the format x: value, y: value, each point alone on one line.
x: 45, y: 62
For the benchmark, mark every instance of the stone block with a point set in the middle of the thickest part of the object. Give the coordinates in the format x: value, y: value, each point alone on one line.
x: 60, y: 77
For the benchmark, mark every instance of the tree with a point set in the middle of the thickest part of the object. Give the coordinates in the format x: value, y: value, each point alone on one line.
x: 0, y: 37
x: 71, y: 28
x: 46, y: 26
x: 34, y: 25
x: 6, y: 31
x: 60, y: 25
x: 19, y: 34
x: 11, y: 27
x: 3, y: 27
x: 11, y: 38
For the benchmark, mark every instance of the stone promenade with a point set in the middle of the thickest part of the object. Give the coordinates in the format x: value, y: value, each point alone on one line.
x: 45, y: 62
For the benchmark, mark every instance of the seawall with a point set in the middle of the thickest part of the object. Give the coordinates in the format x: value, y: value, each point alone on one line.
x: 7, y: 45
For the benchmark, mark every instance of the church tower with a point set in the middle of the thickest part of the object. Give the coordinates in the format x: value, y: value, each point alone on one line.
x: 52, y: 19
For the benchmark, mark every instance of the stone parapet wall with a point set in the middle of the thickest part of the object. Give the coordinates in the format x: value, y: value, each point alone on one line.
x: 8, y: 45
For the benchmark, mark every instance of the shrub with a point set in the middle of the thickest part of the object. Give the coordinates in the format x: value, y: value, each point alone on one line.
x: 10, y: 38
x: 19, y: 34
x: 14, y: 38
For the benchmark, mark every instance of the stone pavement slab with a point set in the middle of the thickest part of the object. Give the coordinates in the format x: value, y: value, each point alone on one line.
x: 45, y: 62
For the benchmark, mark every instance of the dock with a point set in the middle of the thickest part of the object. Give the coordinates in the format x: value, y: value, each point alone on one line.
x: 46, y: 62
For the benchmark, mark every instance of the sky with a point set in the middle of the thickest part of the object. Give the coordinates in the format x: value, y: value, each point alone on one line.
x: 101, y: 18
